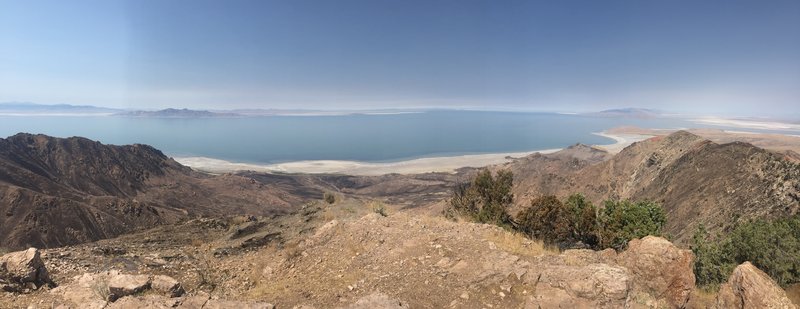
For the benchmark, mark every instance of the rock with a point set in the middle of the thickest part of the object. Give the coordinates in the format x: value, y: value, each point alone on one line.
x: 124, y: 285
x: 167, y: 285
x: 663, y: 272
x: 749, y: 287
x: 86, y: 291
x: 224, y: 304
x: 378, y: 301
x: 589, y: 286
x: 23, y: 268
x: 147, y: 301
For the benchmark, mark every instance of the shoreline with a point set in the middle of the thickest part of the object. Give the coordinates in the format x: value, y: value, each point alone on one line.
x: 446, y: 164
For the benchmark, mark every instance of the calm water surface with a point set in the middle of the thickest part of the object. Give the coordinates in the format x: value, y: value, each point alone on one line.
x: 371, y: 138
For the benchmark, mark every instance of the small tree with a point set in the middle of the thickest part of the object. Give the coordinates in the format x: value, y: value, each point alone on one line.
x: 547, y: 219
x: 583, y: 219
x: 486, y: 198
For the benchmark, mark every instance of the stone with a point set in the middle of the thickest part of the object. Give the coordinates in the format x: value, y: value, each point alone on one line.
x: 378, y: 301
x: 225, y: 304
x: 749, y: 287
x: 585, y: 286
x: 124, y: 285
x: 663, y: 272
x: 24, y: 267
x: 167, y: 285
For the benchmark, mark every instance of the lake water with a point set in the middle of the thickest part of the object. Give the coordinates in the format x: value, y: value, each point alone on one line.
x: 368, y: 138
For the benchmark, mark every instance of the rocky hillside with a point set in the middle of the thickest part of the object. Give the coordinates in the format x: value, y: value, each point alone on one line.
x: 697, y: 181
x: 55, y: 191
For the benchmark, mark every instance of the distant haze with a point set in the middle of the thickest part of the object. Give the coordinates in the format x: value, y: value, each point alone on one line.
x: 712, y: 57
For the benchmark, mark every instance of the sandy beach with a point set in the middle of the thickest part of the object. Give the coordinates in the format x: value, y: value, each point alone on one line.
x: 414, y: 166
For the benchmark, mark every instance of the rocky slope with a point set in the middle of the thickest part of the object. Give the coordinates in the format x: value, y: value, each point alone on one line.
x: 56, y: 192
x: 697, y: 181
x: 360, y: 259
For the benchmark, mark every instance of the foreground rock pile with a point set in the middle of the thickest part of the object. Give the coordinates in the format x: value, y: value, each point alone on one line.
x: 400, y: 261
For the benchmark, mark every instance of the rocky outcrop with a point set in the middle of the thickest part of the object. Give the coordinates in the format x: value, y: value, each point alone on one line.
x: 378, y: 300
x: 23, y: 270
x: 167, y: 285
x: 98, y: 290
x: 589, y: 286
x: 661, y: 270
x: 749, y: 287
x: 124, y: 285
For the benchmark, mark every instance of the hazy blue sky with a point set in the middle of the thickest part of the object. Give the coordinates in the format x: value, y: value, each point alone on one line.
x: 702, y: 56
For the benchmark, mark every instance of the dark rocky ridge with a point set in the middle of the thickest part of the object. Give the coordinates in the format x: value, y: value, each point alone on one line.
x: 55, y: 191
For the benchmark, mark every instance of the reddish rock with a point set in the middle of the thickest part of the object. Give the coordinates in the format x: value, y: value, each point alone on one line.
x: 660, y: 270
x: 749, y: 287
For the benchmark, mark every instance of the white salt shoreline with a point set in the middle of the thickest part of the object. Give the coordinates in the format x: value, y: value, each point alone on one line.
x: 414, y: 166
x: 748, y: 124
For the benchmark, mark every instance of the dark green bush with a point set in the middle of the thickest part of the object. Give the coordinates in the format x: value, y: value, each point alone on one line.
x: 485, y: 199
x: 713, y: 262
x: 547, y: 219
x: 620, y: 221
x: 772, y: 246
x: 583, y: 221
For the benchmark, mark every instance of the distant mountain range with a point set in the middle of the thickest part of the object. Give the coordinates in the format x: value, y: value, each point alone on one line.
x: 177, y: 113
x: 629, y: 112
x: 32, y: 108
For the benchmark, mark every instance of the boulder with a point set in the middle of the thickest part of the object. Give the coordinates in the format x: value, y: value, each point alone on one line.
x: 124, y: 285
x: 224, y: 304
x: 663, y: 272
x: 587, y: 286
x: 167, y: 285
x: 749, y: 287
x: 24, y: 269
x: 378, y: 301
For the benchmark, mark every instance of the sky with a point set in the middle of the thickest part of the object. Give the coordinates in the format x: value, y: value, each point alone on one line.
x: 711, y: 57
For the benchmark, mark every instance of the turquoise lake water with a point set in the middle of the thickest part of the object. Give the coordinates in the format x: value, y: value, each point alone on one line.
x: 369, y: 138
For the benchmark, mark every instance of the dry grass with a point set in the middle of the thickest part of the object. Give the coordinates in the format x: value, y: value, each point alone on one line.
x: 701, y: 298
x: 518, y: 244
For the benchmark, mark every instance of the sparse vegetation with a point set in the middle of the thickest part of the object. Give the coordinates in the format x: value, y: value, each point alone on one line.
x: 380, y: 209
x: 329, y: 197
x: 772, y: 246
x: 100, y: 288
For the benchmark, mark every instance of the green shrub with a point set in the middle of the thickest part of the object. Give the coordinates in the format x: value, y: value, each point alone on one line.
x: 713, y: 262
x: 547, y: 219
x: 620, y: 221
x: 772, y: 246
x: 329, y: 198
x: 583, y: 219
x: 380, y: 209
x: 485, y: 199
